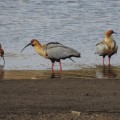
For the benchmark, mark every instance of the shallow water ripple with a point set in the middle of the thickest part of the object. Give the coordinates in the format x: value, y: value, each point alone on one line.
x: 79, y: 24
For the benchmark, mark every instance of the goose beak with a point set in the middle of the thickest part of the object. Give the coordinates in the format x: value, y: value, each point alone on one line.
x: 26, y: 46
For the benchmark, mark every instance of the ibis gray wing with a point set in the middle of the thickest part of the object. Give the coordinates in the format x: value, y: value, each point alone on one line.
x: 101, y: 48
x: 52, y: 45
x: 115, y: 48
x: 58, y: 51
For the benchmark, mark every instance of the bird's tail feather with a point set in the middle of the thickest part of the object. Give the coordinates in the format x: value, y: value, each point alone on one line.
x: 72, y: 60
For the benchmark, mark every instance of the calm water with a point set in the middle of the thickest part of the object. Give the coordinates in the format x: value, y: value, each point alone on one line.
x: 75, y: 23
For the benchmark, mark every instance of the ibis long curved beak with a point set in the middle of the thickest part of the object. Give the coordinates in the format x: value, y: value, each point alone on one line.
x: 26, y: 46
x: 115, y: 32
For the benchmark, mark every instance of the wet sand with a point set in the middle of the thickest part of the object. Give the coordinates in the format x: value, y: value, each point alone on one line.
x: 99, y: 72
x: 86, y: 94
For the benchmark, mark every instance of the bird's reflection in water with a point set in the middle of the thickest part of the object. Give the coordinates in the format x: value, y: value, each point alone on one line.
x: 105, y: 72
x: 56, y: 75
x: 1, y: 72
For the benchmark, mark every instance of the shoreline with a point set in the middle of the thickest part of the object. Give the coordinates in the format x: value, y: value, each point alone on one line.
x: 99, y: 72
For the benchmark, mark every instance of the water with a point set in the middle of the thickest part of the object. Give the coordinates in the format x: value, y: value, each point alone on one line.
x: 79, y: 24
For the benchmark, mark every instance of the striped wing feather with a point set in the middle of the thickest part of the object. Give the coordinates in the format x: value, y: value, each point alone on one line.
x: 114, y: 48
x: 58, y: 51
x: 102, y: 48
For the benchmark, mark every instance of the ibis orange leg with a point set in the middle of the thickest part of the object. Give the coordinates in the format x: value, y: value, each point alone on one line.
x: 109, y: 61
x: 53, y: 68
x: 60, y: 67
x: 103, y: 61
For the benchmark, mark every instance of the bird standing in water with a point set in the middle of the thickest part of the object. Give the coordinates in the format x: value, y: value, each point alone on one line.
x: 107, y: 47
x: 2, y: 53
x: 53, y: 51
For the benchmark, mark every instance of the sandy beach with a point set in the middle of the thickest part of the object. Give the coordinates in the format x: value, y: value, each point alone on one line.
x: 76, y: 95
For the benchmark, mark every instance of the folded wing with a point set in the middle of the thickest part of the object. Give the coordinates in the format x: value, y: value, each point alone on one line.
x: 102, y: 49
x: 58, y: 51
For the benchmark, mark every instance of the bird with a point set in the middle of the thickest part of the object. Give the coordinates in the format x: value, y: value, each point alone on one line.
x: 2, y: 53
x: 107, y: 47
x: 54, y: 51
